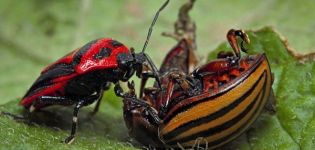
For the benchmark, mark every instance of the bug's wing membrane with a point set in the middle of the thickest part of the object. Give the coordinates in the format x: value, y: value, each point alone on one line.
x: 67, y: 59
x: 73, y: 57
x: 48, y: 82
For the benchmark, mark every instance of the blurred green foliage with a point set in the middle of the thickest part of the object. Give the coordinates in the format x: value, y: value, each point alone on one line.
x: 35, y: 33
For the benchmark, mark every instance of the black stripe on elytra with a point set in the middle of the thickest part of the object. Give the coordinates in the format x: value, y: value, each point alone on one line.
x: 103, y: 53
x: 78, y: 55
x: 224, y: 126
x: 116, y: 44
x: 184, y: 127
x: 219, y: 141
x: 186, y: 107
x: 46, y: 78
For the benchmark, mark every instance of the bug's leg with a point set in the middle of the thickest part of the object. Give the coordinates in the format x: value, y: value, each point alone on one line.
x: 155, y: 72
x: 100, y: 97
x: 70, y: 138
x: 145, y: 75
x: 118, y: 90
x: 142, y: 86
x: 98, y: 102
x: 144, y: 78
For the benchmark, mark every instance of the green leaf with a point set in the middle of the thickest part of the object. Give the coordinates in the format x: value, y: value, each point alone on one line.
x: 292, y: 127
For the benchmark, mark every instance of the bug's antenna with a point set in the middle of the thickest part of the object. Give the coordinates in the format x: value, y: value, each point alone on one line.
x: 152, y: 24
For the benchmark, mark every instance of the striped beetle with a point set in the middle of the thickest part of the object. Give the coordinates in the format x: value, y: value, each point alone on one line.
x: 216, y: 102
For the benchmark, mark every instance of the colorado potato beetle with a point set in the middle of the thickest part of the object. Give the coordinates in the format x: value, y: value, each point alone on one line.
x: 216, y: 102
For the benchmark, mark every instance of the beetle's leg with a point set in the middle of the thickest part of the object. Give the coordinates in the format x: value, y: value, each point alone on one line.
x: 232, y: 38
x: 180, y: 79
x: 223, y: 54
x: 118, y: 90
x: 70, y: 138
x: 163, y: 102
x: 141, y: 103
x: 131, y: 97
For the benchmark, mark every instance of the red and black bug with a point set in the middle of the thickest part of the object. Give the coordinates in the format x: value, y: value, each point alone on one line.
x: 80, y: 77
x: 211, y: 105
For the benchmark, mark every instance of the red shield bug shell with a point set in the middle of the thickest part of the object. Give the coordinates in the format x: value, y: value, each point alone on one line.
x: 80, y: 77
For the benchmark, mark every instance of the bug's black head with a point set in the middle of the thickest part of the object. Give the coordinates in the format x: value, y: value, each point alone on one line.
x: 125, y: 61
x: 126, y: 65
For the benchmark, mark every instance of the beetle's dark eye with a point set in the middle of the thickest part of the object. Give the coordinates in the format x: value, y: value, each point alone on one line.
x: 104, y: 52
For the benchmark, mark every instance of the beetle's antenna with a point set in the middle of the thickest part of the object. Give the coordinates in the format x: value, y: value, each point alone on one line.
x: 152, y: 24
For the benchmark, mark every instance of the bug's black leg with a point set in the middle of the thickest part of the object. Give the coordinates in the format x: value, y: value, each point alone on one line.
x: 142, y: 85
x: 96, y: 108
x: 118, y: 90
x: 77, y: 107
x: 145, y: 77
x: 154, y: 71
x: 100, y: 97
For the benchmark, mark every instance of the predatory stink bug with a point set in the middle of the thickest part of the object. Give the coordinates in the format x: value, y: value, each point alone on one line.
x: 210, y: 106
x: 80, y: 77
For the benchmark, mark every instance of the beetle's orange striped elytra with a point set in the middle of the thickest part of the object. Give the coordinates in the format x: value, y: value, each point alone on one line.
x: 220, y: 116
